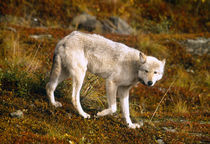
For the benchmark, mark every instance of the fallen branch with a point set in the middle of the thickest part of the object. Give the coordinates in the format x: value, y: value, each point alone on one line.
x: 162, y: 100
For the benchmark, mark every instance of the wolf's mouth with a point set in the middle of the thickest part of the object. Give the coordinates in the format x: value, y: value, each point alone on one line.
x: 142, y: 81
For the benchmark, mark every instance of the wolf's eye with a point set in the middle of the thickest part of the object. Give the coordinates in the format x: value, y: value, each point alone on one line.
x: 155, y: 72
x: 146, y: 71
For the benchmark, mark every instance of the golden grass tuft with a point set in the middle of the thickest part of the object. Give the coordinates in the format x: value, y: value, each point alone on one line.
x: 181, y: 107
x: 14, y: 53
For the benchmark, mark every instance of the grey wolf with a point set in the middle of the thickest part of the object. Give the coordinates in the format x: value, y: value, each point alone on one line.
x: 121, y: 66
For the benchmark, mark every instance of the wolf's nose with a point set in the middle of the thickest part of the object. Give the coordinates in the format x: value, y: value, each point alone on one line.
x: 149, y: 83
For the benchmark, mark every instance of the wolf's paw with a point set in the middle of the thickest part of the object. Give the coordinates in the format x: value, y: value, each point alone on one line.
x: 86, y: 116
x: 57, y: 104
x: 135, y: 125
x: 99, y: 114
x: 105, y: 112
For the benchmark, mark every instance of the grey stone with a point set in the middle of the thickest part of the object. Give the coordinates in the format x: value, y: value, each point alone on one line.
x: 111, y: 25
x: 116, y: 25
x: 160, y: 141
x: 87, y: 22
x: 199, y: 46
x: 108, y: 26
x: 18, y: 114
x: 11, y: 29
x: 122, y: 27
x: 190, y: 71
x: 190, y: 50
x: 35, y: 22
x: 41, y: 36
x: 169, y: 129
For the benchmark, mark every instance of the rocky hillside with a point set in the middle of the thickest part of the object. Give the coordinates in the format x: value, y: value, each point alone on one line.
x: 156, y: 16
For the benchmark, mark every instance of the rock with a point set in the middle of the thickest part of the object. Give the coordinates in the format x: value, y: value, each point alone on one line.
x: 69, y: 115
x: 87, y: 22
x: 199, y: 46
x: 108, y: 26
x: 160, y: 141
x: 116, y: 25
x: 41, y: 36
x: 122, y: 27
x: 18, y: 114
x: 169, y: 129
x: 11, y: 29
x: 190, y: 71
x: 111, y: 25
x: 161, y: 89
x: 35, y: 22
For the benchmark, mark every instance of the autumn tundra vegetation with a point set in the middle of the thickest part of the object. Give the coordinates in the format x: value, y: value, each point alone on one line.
x: 175, y: 110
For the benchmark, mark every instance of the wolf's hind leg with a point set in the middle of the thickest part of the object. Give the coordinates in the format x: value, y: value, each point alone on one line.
x: 111, y: 90
x: 78, y: 76
x: 50, y: 88
x: 56, y: 76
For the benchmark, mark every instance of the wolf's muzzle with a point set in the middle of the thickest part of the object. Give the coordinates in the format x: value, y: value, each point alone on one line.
x: 149, y: 83
x: 142, y: 81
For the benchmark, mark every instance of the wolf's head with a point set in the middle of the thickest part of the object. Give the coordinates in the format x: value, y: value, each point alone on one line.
x: 151, y: 69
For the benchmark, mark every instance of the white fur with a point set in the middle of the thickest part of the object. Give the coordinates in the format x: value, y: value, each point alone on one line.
x: 120, y: 65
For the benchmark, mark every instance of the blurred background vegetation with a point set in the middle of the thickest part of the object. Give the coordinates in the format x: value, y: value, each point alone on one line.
x: 149, y: 15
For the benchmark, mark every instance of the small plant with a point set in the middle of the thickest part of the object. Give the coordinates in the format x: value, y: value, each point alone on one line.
x: 181, y: 107
x: 16, y: 81
x: 164, y: 25
x: 150, y: 47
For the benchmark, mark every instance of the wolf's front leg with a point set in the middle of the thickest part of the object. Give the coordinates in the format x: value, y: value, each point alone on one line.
x: 111, y: 91
x: 124, y: 100
x: 78, y: 77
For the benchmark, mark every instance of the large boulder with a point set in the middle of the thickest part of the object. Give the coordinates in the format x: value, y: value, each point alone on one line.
x: 86, y: 22
x: 199, y: 46
x: 121, y: 26
x: 111, y: 25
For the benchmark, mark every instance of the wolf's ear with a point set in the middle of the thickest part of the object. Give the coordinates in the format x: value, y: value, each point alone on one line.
x: 164, y: 61
x: 142, y: 57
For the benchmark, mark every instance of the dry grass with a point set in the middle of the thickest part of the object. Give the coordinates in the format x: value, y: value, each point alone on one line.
x: 150, y: 47
x: 14, y: 53
x: 27, y: 89
x: 25, y: 64
x: 181, y: 107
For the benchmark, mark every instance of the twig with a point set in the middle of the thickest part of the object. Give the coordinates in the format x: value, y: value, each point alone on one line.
x: 162, y: 100
x: 33, y: 58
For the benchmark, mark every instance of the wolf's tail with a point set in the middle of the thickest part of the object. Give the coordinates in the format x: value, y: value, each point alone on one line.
x: 54, y: 76
x: 56, y: 68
